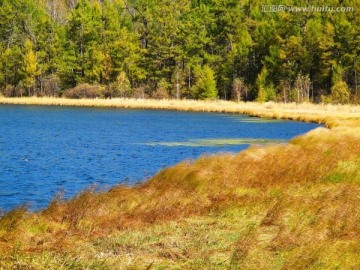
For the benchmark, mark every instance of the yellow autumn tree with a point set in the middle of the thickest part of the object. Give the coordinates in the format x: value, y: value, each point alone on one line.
x: 30, y: 69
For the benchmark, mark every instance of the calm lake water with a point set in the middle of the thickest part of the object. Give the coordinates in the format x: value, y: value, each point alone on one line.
x: 44, y: 150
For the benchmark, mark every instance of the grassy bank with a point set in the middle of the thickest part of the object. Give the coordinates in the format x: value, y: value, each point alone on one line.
x: 293, y: 206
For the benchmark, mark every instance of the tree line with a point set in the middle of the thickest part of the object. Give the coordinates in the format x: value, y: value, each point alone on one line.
x: 201, y: 49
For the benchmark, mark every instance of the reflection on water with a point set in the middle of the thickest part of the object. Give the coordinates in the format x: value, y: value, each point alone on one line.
x: 44, y: 150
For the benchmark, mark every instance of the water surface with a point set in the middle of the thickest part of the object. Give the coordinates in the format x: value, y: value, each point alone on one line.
x: 44, y: 150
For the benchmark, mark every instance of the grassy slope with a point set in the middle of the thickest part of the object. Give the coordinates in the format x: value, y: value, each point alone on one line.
x: 293, y: 206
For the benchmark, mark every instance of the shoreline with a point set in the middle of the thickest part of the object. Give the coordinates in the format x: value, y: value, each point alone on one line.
x: 327, y: 114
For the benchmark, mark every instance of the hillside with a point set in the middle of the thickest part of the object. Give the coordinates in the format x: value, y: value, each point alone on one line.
x: 288, y: 51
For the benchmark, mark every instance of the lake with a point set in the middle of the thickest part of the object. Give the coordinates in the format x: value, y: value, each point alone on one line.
x: 45, y: 150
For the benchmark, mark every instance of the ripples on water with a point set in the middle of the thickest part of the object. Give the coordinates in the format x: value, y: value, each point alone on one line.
x: 44, y: 150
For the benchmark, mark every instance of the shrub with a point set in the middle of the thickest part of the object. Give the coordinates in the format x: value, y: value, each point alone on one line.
x: 162, y: 90
x: 160, y: 93
x: 84, y: 91
x: 9, y: 91
x: 340, y: 94
x: 51, y: 86
x: 356, y: 98
x: 139, y: 92
x: 265, y: 90
x: 20, y: 90
x: 120, y: 88
x: 14, y: 91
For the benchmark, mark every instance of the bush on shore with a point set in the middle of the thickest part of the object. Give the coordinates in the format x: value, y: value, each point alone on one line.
x: 85, y: 90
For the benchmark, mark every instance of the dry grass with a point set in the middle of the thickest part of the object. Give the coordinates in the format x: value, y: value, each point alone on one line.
x: 304, y: 112
x: 293, y: 206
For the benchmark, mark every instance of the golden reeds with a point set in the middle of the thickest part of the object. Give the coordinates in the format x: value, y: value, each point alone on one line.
x: 303, y: 112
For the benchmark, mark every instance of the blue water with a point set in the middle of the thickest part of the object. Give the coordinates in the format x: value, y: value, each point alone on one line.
x: 44, y: 150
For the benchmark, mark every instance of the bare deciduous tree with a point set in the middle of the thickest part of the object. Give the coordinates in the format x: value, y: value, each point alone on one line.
x: 302, y: 86
x: 239, y: 90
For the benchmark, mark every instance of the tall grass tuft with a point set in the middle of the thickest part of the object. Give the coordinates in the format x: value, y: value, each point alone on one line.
x: 12, y: 219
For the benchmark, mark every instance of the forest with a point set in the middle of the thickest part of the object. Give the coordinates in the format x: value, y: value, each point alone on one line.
x: 198, y: 49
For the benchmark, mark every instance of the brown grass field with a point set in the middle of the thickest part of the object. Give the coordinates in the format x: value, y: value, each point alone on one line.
x: 286, y: 206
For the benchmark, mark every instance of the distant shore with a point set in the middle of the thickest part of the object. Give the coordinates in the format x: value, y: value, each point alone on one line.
x: 318, y: 113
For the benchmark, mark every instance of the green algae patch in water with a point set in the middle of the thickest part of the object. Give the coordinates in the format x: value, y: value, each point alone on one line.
x: 216, y: 142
